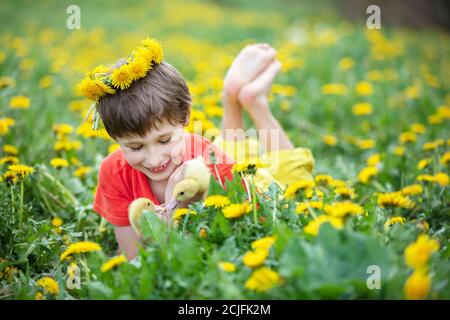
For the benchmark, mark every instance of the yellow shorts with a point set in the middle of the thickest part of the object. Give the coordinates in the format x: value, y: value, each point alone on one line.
x: 283, y: 166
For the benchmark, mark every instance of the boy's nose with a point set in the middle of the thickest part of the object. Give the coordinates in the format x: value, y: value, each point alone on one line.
x: 154, y: 160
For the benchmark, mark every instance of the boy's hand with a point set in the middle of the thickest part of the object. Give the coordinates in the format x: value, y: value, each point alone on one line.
x: 162, y: 214
x: 176, y: 177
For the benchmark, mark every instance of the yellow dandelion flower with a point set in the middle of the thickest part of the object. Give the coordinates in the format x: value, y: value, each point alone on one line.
x: 67, y: 145
x: 336, y: 183
x: 425, y: 177
x: 7, y: 148
x: 418, y: 128
x: 139, y: 68
x: 345, y: 192
x: 423, y: 226
x: 213, y: 111
x: 155, y: 49
x: 82, y: 171
x: 374, y: 160
x: 236, y: 210
x: 4, y: 126
x: 428, y: 146
x: 9, y: 160
x: 57, y: 222
x: 63, y: 128
x: 263, y: 243
x: 59, y: 163
x: 323, y: 179
x: 343, y: 209
x: 423, y: 163
x: 366, y: 144
x: 417, y: 286
x: 329, y: 140
x: 21, y: 170
x: 39, y: 296
x: 9, y: 177
x: 255, y: 258
x: 113, y: 262
x: 393, y: 221
x: 7, y: 82
x: 412, y: 190
x: 179, y: 213
x: 367, y: 173
x: 292, y: 189
x: 244, y: 168
x: 364, y: 88
x: 441, y: 178
x: 444, y: 112
x: 445, y: 159
x: 346, y: 63
x: 80, y: 247
x: 49, y: 285
x: 227, y: 266
x: 406, y: 137
x: 313, y: 226
x: 394, y: 199
x: 113, y: 147
x: 203, y: 233
x: 91, y: 88
x: 302, y: 207
x: 418, y: 253
x: 362, y: 109
x: 122, y: 77
x: 334, y: 89
x: 399, y: 151
x: 105, y: 88
x: 262, y: 280
x: 217, y: 201
x: 375, y: 75
x: 435, y: 119
x: 46, y: 82
x: 19, y: 102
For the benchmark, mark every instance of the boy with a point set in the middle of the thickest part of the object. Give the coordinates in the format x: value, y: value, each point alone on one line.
x: 147, y: 120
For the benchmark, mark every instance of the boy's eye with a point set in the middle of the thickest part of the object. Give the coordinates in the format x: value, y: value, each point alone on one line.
x: 136, y: 149
x: 165, y: 141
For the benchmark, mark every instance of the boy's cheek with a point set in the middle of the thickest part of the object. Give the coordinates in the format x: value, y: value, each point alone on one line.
x: 177, y: 153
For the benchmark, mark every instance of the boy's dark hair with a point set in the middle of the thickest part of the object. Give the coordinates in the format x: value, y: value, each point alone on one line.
x: 161, y: 95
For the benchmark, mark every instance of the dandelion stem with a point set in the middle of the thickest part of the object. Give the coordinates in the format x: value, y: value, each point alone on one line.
x: 255, y: 218
x: 87, y: 271
x: 21, y: 205
x: 246, y: 187
x: 12, y: 198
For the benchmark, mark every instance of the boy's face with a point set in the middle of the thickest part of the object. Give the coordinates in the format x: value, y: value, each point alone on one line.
x: 158, y: 153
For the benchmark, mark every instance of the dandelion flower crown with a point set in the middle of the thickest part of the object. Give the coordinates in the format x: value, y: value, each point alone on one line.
x: 102, y: 80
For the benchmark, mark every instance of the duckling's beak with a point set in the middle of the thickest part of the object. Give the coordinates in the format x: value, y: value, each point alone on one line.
x: 171, y: 205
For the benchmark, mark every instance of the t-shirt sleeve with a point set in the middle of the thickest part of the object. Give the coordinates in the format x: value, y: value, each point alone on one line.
x: 111, y: 200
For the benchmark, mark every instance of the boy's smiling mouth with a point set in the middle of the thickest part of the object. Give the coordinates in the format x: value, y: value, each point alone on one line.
x: 159, y: 169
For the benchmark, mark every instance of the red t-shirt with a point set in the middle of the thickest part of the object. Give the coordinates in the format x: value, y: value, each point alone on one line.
x: 119, y: 183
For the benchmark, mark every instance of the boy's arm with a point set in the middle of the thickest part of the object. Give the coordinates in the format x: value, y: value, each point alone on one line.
x: 128, y: 241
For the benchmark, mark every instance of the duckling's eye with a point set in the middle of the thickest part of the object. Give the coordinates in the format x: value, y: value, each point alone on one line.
x: 148, y: 203
x: 181, y: 193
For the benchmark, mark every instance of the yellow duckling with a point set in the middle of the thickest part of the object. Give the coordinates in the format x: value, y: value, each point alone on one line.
x: 135, y: 211
x: 194, y: 184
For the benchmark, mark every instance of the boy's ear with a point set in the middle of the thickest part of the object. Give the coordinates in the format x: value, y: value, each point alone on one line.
x: 188, y: 117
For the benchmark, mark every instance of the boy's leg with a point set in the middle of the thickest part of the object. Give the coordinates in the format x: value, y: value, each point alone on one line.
x: 254, y: 97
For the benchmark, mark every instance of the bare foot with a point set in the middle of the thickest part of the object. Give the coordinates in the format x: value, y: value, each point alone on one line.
x: 258, y: 90
x: 250, y: 62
